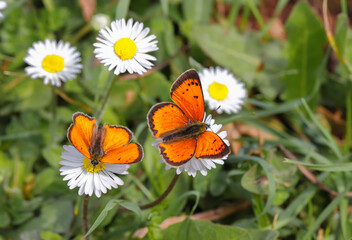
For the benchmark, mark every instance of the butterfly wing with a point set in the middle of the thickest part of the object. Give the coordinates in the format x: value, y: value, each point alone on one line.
x: 80, y: 132
x: 118, y: 148
x: 187, y: 93
x: 179, y: 152
x: 164, y: 118
x: 126, y: 154
x: 210, y: 145
x: 115, y: 137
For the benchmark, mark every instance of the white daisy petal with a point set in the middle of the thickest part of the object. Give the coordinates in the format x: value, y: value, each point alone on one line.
x: 132, y: 45
x: 3, y: 5
x: 222, y: 91
x: 52, y: 61
x: 196, y: 164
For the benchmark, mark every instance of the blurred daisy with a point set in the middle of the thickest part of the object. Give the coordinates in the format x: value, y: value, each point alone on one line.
x: 222, y: 91
x: 80, y: 172
x: 124, y: 46
x: 202, y: 165
x: 55, y: 62
x: 99, y: 21
x: 3, y: 5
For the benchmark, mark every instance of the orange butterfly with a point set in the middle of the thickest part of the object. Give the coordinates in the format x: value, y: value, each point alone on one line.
x: 107, y: 144
x: 179, y: 125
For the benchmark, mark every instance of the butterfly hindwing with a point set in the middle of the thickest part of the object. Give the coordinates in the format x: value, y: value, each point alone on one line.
x: 210, y: 145
x: 126, y: 154
x: 80, y: 132
x: 187, y: 93
x: 179, y: 152
x: 165, y: 117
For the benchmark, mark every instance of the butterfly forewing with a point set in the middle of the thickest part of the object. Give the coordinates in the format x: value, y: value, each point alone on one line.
x: 115, y: 137
x: 164, y: 118
x: 210, y: 145
x: 80, y: 132
x: 187, y: 93
x: 179, y: 152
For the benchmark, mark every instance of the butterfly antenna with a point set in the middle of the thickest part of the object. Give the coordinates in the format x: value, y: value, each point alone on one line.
x: 212, y: 113
x: 216, y: 109
x: 90, y: 163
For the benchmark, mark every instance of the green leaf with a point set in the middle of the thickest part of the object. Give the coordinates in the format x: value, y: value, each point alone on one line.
x: 328, y: 136
x: 109, y: 206
x: 54, y: 216
x: 218, y: 182
x: 155, y: 86
x: 268, y: 173
x: 263, y: 234
x: 203, y: 230
x: 341, y: 32
x: 194, y: 64
x: 30, y: 94
x: 249, y: 180
x: 336, y: 167
x: 325, y: 213
x: 52, y: 155
x: 122, y: 9
x: 174, y: 207
x: 228, y: 48
x: 296, y: 206
x: 29, y: 235
x: 44, y: 179
x: 165, y: 7
x: 132, y: 207
x: 50, y: 236
x: 200, y: 183
x: 49, y: 5
x: 4, y: 219
x: 304, y: 51
x: 197, y: 11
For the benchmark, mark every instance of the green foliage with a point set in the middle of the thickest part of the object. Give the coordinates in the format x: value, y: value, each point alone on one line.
x: 289, y: 173
x: 228, y: 48
x: 197, y: 229
x: 304, y: 51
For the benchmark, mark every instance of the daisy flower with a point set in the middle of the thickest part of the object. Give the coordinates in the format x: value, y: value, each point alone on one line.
x: 3, y: 5
x: 202, y: 165
x: 222, y: 91
x: 81, y: 173
x: 97, y: 154
x: 99, y: 21
x: 124, y: 47
x: 53, y: 61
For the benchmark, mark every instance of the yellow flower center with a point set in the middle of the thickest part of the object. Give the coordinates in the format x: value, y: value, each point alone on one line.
x: 125, y: 48
x: 53, y: 63
x: 218, y: 91
x: 91, y: 166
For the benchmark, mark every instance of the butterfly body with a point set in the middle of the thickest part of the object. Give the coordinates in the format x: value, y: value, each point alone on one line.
x: 179, y: 126
x: 194, y: 129
x: 96, y: 150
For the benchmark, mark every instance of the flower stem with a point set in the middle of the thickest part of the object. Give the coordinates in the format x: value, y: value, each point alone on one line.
x: 99, y: 112
x: 72, y: 101
x: 86, y: 28
x: 164, y: 195
x: 348, y: 136
x: 53, y: 111
x: 85, y: 216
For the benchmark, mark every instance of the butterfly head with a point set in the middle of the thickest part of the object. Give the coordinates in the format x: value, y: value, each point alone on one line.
x: 94, y: 162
